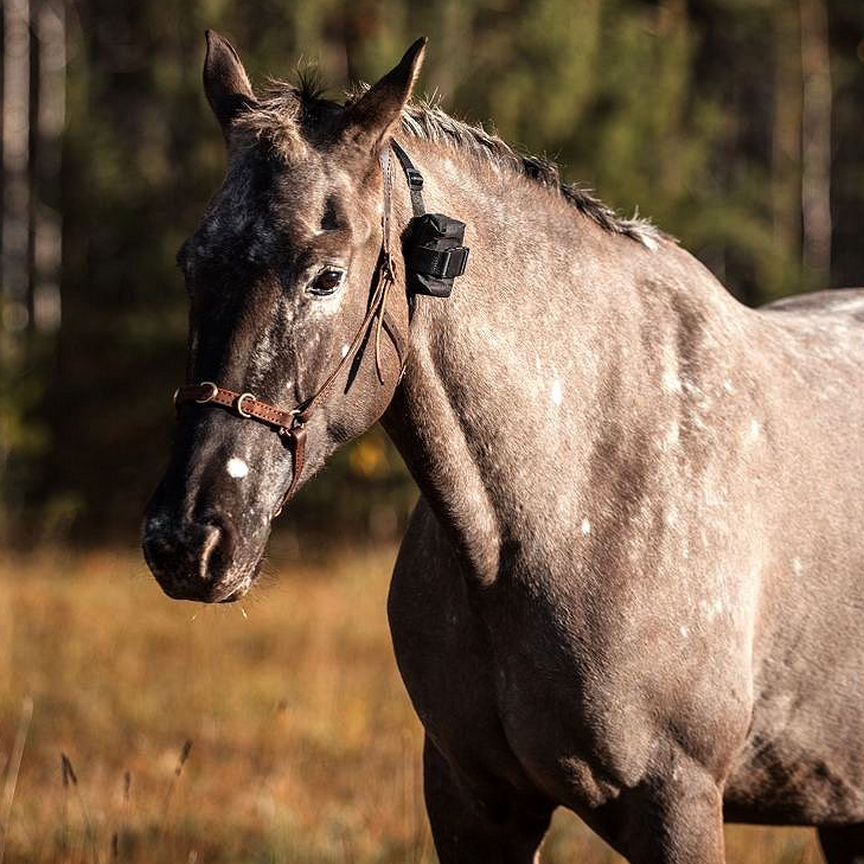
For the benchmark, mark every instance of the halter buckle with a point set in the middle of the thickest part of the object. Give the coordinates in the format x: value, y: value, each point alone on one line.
x: 211, y: 395
x: 414, y: 178
x: 239, y: 404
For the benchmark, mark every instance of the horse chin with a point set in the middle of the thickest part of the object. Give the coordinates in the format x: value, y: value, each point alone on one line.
x: 238, y: 588
x: 228, y: 590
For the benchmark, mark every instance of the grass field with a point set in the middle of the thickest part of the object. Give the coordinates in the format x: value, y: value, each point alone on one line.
x: 304, y: 747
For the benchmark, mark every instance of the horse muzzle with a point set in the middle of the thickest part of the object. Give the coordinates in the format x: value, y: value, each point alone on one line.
x: 198, y: 559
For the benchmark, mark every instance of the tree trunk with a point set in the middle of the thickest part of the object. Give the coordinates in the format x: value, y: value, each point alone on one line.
x: 786, y: 137
x: 816, y: 140
x: 16, y: 161
x: 50, y: 29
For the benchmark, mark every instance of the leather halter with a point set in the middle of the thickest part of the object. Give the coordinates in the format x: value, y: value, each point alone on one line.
x: 291, y: 424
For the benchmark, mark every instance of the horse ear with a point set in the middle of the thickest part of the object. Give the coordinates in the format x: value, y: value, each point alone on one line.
x: 372, y: 117
x: 225, y: 80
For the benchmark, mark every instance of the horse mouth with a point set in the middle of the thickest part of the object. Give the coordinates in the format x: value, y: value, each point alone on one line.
x: 196, y: 590
x: 236, y: 589
x: 230, y: 593
x: 234, y: 592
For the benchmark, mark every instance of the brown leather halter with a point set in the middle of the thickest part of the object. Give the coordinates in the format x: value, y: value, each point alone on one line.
x: 291, y: 424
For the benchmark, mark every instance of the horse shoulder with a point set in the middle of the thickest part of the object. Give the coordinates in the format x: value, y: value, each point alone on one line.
x: 444, y: 656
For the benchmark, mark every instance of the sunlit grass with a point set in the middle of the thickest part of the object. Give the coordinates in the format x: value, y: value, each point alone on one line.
x: 304, y: 747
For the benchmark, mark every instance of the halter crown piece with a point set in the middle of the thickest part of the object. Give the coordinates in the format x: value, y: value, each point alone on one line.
x: 434, y: 257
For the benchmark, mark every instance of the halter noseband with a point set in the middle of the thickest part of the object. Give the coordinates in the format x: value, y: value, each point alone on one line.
x: 444, y: 260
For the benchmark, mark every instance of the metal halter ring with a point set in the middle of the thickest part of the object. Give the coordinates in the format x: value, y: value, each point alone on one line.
x: 295, y: 423
x: 239, y: 404
x: 211, y: 395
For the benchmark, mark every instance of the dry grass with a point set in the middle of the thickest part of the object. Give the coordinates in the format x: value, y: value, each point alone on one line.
x: 303, y: 745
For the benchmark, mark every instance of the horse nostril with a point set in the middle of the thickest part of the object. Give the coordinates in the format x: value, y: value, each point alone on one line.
x: 189, y: 557
x: 211, y: 536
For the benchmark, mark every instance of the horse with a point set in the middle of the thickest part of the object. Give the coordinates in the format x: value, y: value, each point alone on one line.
x: 633, y: 585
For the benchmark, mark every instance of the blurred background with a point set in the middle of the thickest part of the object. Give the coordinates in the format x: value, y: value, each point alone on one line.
x: 736, y: 125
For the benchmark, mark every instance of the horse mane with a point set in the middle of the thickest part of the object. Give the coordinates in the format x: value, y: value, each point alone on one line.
x: 276, y: 115
x: 428, y: 121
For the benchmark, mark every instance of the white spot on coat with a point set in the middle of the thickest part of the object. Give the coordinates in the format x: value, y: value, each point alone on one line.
x: 237, y: 468
x: 673, y: 436
x: 556, y: 393
x: 671, y: 382
x: 711, y: 609
x: 586, y: 527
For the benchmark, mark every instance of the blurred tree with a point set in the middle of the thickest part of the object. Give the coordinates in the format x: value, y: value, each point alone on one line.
x: 846, y: 33
x: 816, y: 139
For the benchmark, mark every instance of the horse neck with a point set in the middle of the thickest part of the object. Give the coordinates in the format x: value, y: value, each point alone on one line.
x: 516, y: 380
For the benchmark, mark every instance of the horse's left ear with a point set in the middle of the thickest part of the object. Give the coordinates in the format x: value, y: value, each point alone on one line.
x: 373, y: 116
x: 225, y: 81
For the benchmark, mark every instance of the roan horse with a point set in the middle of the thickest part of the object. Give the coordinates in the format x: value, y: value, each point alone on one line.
x: 634, y: 583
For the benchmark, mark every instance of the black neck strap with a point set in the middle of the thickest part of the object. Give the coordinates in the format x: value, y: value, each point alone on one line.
x: 414, y: 178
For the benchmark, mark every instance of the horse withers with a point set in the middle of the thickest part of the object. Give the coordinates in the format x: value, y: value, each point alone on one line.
x: 633, y: 584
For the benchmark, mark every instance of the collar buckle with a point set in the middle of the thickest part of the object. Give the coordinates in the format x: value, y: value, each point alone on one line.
x: 414, y: 178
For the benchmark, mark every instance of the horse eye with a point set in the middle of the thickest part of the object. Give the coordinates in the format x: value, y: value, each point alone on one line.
x: 327, y: 281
